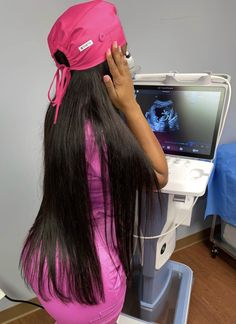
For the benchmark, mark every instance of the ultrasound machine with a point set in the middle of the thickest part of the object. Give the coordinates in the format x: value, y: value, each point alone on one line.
x: 187, y: 113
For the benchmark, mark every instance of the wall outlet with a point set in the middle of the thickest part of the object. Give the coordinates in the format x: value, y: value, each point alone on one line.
x: 2, y: 294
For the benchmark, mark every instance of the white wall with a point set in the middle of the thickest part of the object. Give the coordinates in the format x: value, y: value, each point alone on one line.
x: 26, y: 73
x: 183, y: 36
x: 188, y: 36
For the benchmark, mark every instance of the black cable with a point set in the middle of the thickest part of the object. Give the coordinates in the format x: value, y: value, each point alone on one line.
x: 23, y: 301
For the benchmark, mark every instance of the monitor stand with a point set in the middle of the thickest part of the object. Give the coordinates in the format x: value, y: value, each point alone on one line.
x: 160, y: 289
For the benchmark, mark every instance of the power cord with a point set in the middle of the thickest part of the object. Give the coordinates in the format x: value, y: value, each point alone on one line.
x: 3, y: 295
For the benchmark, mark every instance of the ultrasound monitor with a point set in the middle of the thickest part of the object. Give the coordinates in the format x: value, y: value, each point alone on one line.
x: 185, y: 119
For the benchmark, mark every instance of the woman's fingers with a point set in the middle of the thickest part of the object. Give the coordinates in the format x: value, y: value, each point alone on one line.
x: 112, y: 65
x: 120, y: 88
x: 116, y: 61
x: 118, y: 57
x: 110, y: 87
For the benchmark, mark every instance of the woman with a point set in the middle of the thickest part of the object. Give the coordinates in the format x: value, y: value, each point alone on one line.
x: 77, y: 254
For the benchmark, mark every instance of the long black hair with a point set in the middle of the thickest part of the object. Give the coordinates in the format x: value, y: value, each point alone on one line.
x: 63, y: 231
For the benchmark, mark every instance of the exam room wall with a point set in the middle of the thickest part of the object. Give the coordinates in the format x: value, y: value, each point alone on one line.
x: 184, y: 36
x: 187, y: 36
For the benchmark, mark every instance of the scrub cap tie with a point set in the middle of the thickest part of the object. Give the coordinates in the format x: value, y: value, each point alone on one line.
x: 62, y: 77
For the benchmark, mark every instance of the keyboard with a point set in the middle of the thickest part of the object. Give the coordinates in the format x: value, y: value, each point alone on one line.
x: 187, y: 176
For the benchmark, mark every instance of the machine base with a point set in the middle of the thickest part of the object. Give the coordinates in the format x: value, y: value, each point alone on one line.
x: 171, y: 304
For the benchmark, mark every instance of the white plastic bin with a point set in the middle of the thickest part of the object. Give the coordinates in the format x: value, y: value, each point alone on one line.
x: 228, y: 234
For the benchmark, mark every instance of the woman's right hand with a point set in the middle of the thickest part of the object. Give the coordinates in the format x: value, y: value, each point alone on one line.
x: 121, y: 88
x: 121, y: 92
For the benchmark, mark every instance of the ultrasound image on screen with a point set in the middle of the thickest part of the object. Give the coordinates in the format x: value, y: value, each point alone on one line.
x: 184, y: 119
x: 162, y: 117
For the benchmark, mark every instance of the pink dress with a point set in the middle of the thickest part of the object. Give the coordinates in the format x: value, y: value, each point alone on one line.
x: 113, y: 275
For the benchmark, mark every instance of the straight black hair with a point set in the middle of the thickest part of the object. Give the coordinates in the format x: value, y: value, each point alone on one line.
x: 62, y: 236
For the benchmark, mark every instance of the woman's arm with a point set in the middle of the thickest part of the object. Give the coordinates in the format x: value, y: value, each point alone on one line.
x: 121, y: 92
x: 149, y: 143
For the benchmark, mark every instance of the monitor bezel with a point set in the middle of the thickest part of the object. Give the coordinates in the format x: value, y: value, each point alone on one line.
x: 217, y: 87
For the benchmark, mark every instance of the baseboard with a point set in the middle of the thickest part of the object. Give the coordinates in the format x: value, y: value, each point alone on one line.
x: 192, y: 239
x: 22, y: 310
x: 18, y: 311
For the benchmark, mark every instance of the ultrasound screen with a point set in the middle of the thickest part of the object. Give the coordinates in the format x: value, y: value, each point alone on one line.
x: 184, y: 119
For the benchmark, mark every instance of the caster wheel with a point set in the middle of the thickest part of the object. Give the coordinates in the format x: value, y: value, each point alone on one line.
x: 214, y: 252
